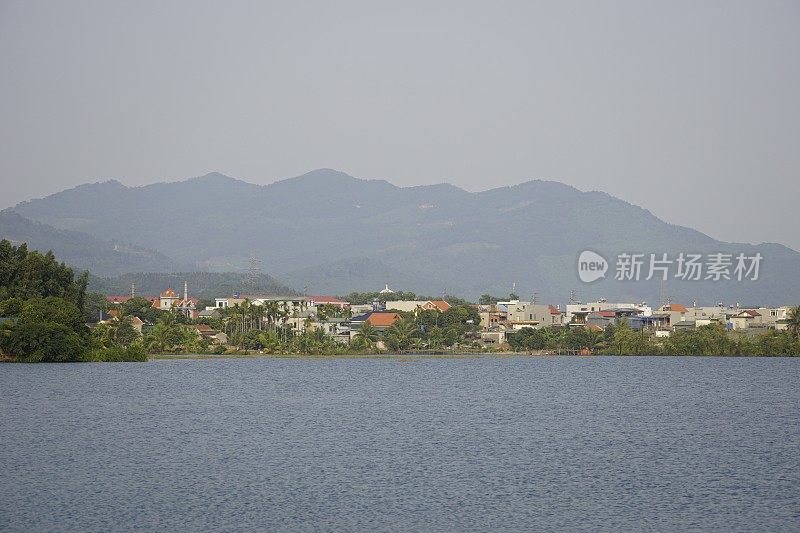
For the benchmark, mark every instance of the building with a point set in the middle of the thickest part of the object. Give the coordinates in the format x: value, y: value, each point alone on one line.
x: 414, y: 306
x: 576, y: 313
x: 317, y: 301
x: 386, y: 290
x: 520, y: 314
x: 209, y: 333
x: 209, y: 313
x: 380, y: 320
x: 169, y: 301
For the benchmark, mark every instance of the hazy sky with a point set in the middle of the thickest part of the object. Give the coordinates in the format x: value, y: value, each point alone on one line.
x: 690, y: 109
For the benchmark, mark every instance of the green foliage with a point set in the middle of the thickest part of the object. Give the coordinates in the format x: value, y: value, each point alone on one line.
x: 25, y: 274
x: 401, y: 334
x: 95, y: 307
x: 133, y: 353
x: 794, y: 321
x: 53, y: 310
x: 360, y: 298
x: 11, y: 307
x: 46, y: 342
x: 167, y: 336
x: 125, y: 334
x: 620, y: 339
x: 141, y: 307
x: 366, y: 337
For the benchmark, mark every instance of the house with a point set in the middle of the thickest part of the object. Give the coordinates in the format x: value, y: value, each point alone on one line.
x: 336, y: 327
x: 135, y: 321
x: 380, y: 320
x: 414, y: 306
x: 675, y: 313
x: 601, y: 319
x: 226, y: 302
x: 683, y: 325
x: 490, y: 315
x: 495, y: 338
x: 209, y: 313
x: 576, y: 313
x: 169, y: 300
x: 209, y: 333
x: 742, y: 320
x: 517, y: 314
x: 317, y: 301
x: 137, y: 324
x: 115, y: 301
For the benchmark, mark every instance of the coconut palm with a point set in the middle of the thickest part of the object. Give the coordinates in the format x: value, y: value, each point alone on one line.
x: 272, y: 312
x: 367, y: 335
x: 401, y: 333
x: 794, y: 321
x: 159, y: 337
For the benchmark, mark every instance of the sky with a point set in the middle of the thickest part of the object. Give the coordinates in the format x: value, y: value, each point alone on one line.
x: 690, y: 109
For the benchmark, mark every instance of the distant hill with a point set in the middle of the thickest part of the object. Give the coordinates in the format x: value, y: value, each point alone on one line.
x: 201, y: 284
x: 81, y: 250
x: 330, y: 232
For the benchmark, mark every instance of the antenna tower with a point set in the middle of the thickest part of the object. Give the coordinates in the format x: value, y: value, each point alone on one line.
x: 252, y: 279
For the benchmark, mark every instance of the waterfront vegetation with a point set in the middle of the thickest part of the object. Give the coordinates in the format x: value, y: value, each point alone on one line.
x: 45, y: 308
x: 620, y: 339
x: 42, y: 305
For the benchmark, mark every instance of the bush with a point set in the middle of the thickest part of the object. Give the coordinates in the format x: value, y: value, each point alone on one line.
x: 44, y: 342
x: 133, y: 353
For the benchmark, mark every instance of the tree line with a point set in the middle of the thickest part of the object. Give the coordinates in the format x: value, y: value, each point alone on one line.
x: 621, y: 339
x: 42, y: 305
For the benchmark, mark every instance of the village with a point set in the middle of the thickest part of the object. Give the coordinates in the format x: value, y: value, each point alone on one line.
x: 234, y: 321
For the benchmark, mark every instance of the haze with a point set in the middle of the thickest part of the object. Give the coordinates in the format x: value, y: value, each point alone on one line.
x: 689, y: 109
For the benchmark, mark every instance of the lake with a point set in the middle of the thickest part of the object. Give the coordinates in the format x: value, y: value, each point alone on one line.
x: 462, y: 444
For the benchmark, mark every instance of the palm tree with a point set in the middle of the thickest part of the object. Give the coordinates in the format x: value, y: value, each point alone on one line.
x: 272, y: 311
x: 401, y: 333
x: 367, y: 335
x: 257, y: 313
x: 158, y: 337
x: 794, y: 321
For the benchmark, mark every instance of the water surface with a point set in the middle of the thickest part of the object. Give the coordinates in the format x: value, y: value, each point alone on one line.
x: 522, y: 443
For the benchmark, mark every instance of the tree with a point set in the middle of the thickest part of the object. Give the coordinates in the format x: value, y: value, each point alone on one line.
x: 125, y: 334
x: 95, y: 307
x: 141, y: 307
x: 367, y: 336
x: 25, y: 275
x: 794, y: 321
x: 45, y: 342
x: 158, y: 338
x: 401, y: 334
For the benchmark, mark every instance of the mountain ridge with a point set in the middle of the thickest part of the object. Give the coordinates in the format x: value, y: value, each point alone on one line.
x: 528, y: 234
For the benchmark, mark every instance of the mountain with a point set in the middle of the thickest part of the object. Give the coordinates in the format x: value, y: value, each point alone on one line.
x: 200, y: 284
x: 330, y: 232
x: 81, y: 250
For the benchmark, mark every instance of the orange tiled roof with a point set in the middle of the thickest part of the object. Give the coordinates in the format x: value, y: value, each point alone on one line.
x: 441, y: 305
x: 169, y: 293
x: 383, y: 319
x: 678, y: 308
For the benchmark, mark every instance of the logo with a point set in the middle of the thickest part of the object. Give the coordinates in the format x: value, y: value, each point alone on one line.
x: 591, y: 266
